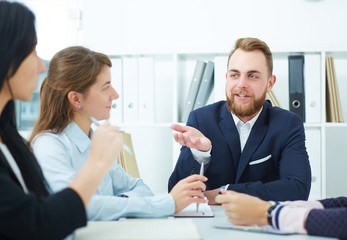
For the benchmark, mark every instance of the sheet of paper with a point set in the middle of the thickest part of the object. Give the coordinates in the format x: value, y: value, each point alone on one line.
x: 190, y: 211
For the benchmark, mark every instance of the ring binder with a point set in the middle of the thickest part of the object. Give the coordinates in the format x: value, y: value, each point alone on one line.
x: 296, y: 85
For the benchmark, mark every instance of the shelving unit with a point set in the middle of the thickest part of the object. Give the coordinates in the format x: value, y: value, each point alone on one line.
x: 179, y: 68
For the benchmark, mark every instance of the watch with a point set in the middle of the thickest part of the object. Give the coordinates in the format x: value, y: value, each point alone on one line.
x: 270, y: 211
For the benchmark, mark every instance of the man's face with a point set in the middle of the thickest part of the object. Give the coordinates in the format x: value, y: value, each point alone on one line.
x: 247, y: 82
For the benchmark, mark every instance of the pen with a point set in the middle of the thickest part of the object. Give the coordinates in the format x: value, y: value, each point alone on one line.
x: 126, y: 148
x: 201, y: 173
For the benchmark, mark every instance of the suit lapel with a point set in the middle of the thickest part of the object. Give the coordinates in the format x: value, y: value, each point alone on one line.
x: 255, y: 138
x: 231, y: 135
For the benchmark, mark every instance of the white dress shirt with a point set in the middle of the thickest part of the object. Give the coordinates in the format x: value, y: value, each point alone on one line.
x: 61, y: 157
x: 244, y: 130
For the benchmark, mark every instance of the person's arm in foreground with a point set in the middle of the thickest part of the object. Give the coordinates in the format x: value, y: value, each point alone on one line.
x: 27, y: 216
x: 305, y: 217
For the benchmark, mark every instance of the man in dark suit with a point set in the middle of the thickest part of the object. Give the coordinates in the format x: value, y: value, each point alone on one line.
x: 246, y: 144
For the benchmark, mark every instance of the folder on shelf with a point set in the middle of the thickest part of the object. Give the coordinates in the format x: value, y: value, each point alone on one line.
x: 220, y: 69
x: 130, y: 90
x: 313, y: 88
x: 146, y: 89
x: 116, y: 113
x: 206, y: 86
x: 330, y: 109
x: 296, y: 85
x: 272, y: 97
x: 193, y: 89
x: 333, y: 103
x: 127, y: 160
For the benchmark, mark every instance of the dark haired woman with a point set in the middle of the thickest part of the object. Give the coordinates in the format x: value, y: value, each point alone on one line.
x: 27, y: 210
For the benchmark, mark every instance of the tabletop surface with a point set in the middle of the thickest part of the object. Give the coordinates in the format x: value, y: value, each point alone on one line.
x: 176, y: 228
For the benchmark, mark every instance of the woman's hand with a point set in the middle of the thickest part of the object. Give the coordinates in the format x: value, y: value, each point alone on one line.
x: 106, y: 145
x: 189, y: 190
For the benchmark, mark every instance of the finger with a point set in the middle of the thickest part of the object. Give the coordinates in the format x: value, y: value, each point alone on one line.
x: 179, y: 128
x: 180, y: 139
x: 232, y: 192
x: 187, y: 139
x: 195, y: 177
x: 197, y: 194
x: 196, y: 185
x: 222, y: 199
x: 198, y: 200
x: 175, y: 135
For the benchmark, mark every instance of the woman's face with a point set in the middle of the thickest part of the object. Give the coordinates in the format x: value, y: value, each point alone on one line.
x: 23, y: 82
x: 97, y: 101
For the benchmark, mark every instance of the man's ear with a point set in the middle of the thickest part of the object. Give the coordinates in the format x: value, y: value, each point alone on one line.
x: 74, y: 99
x: 271, y: 83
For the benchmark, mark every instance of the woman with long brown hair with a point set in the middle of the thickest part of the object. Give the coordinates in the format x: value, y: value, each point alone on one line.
x: 78, y: 87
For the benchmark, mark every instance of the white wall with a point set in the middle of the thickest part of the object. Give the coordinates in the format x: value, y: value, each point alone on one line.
x: 157, y: 26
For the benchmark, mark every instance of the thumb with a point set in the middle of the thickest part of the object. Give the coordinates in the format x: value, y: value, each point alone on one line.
x: 228, y: 192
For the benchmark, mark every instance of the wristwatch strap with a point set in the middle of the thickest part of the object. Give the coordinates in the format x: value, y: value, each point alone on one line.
x: 270, y: 211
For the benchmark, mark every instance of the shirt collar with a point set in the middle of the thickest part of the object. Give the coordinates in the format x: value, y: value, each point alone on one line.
x: 77, y: 136
x: 250, y: 122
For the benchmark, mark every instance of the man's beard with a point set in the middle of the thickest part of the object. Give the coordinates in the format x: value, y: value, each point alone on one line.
x: 245, y: 111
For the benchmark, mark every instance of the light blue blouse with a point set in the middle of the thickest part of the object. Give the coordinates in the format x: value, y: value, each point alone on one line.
x: 61, y: 156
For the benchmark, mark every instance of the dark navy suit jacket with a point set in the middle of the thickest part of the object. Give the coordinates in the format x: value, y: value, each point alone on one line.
x: 273, y: 165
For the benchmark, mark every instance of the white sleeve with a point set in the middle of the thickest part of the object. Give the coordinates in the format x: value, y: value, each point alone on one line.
x: 290, y: 216
x: 200, y: 156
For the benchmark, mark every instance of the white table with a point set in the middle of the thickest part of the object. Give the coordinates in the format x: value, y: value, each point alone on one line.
x: 174, y: 228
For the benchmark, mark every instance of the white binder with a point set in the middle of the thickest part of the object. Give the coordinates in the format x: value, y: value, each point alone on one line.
x: 146, y: 89
x: 130, y: 90
x: 206, y: 86
x: 313, y: 88
x: 220, y: 69
x: 116, y: 114
x: 193, y: 90
x: 313, y: 144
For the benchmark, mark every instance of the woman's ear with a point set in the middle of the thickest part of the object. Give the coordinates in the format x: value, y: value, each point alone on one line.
x: 75, y: 99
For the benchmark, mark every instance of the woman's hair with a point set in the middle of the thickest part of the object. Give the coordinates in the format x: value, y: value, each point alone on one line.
x: 71, y: 69
x: 17, y: 41
x: 251, y: 44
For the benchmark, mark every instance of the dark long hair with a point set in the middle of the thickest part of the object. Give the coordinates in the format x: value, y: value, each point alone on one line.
x: 17, y: 41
